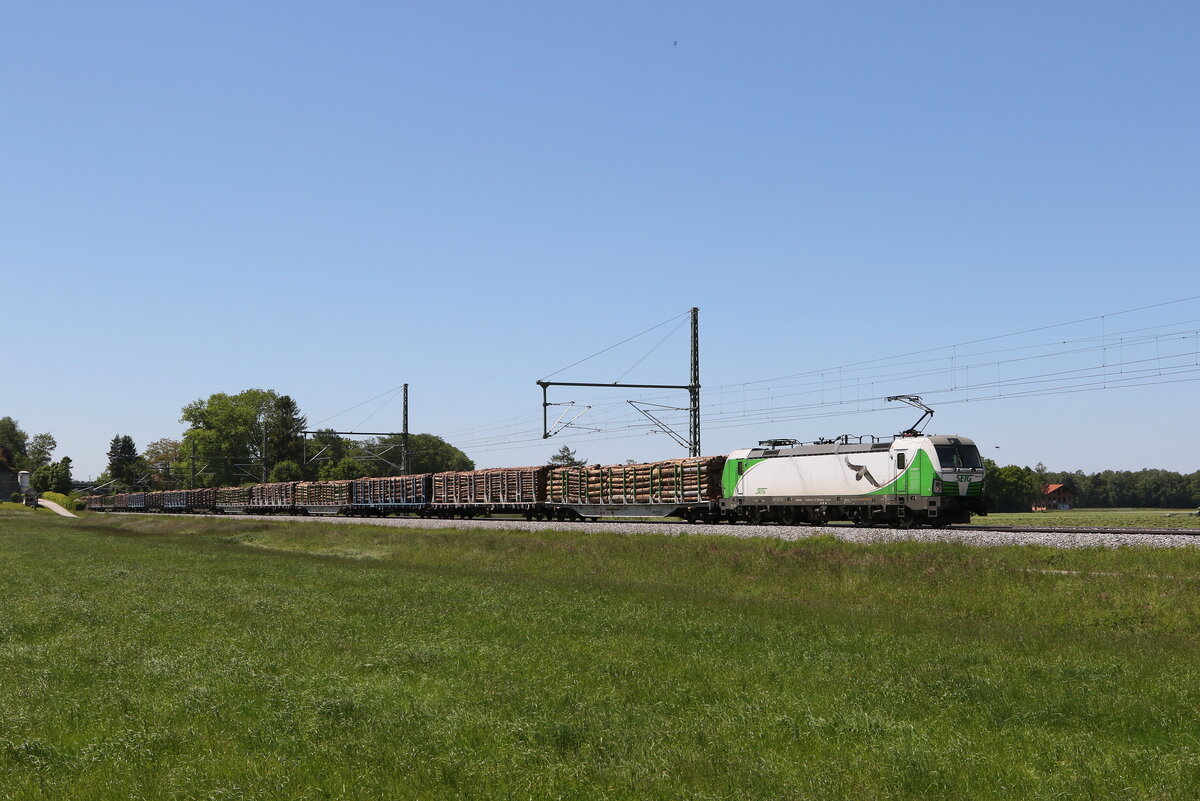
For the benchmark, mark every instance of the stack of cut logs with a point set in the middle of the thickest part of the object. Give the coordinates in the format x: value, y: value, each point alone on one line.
x: 201, y: 498
x: 501, y: 485
x: 693, y: 480
x: 279, y: 494
x: 233, y: 496
x: 391, y: 491
x: 323, y: 493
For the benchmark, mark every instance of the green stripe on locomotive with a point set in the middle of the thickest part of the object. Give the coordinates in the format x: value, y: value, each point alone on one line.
x: 734, y: 468
x: 917, y: 478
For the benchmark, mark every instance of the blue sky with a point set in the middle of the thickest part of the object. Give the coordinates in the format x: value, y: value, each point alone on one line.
x: 330, y: 200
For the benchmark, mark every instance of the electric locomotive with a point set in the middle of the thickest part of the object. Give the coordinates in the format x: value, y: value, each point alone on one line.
x: 910, y: 480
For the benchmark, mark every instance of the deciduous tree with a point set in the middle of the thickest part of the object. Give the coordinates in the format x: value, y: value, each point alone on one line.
x: 228, y: 432
x: 323, y: 448
x: 14, y: 443
x: 163, y: 453
x: 40, y: 449
x: 427, y: 453
x: 286, y: 471
x: 53, y: 477
x: 345, y: 468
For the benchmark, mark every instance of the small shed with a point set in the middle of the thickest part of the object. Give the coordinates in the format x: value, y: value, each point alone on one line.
x: 1055, y: 497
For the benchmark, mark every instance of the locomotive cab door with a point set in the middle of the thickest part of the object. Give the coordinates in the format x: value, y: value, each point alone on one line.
x: 902, y: 460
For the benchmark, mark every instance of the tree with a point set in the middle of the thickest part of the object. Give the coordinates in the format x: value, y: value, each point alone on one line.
x: 54, y: 477
x: 286, y: 471
x: 13, y: 443
x: 345, y: 468
x: 228, y: 434
x: 285, y: 425
x: 325, y: 447
x: 40, y: 448
x: 123, y: 461
x: 428, y: 453
x: 1011, y: 488
x: 163, y: 459
x: 565, y: 457
x: 163, y: 453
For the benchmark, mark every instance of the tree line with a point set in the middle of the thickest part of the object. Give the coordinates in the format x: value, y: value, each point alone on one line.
x: 258, y: 435
x: 1012, y: 488
x: 19, y: 451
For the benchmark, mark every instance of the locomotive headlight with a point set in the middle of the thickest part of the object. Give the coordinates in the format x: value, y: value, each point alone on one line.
x: 937, y: 486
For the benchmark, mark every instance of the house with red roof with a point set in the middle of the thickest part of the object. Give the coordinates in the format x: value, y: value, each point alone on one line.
x: 1055, y: 497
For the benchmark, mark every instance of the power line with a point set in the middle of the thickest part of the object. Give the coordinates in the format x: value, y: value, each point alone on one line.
x: 617, y: 345
x: 891, y: 359
x: 1169, y: 353
x: 355, y: 406
x: 861, y: 386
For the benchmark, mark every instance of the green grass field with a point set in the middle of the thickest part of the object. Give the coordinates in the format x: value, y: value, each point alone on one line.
x: 186, y: 658
x: 1100, y: 518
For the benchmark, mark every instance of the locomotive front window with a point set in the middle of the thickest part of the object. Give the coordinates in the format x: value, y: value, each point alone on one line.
x: 956, y: 457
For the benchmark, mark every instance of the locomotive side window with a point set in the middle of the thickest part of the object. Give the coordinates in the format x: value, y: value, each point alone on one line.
x: 900, y: 460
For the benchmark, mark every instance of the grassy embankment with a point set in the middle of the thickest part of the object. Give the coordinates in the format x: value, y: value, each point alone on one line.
x: 160, y: 657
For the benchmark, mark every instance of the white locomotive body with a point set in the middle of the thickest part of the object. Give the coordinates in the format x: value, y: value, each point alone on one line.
x: 908, y: 480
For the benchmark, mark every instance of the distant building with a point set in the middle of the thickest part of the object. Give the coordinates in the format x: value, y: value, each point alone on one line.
x: 1055, y: 497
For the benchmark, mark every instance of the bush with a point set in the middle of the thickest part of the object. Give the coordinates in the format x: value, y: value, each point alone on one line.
x: 59, y: 498
x: 17, y: 497
x: 286, y: 471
